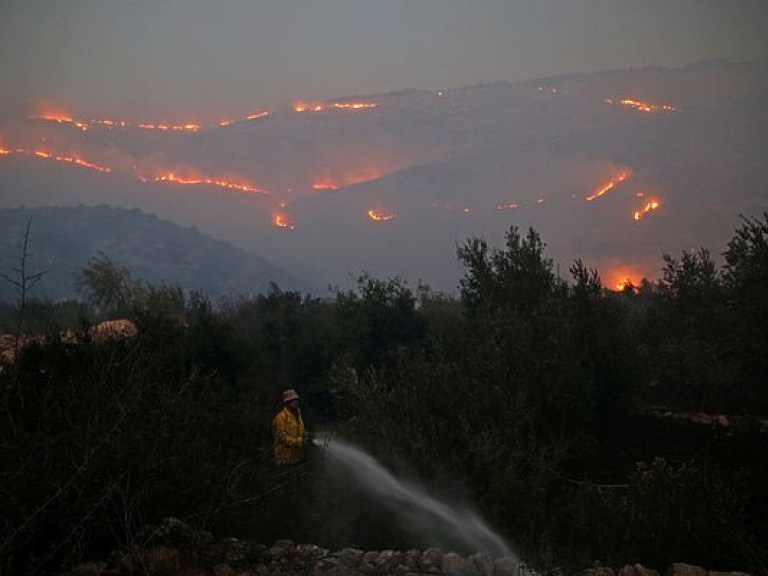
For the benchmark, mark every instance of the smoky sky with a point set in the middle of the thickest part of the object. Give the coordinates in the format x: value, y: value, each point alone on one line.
x: 203, y: 58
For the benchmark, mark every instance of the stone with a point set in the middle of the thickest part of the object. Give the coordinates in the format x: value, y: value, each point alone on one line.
x: 680, y: 569
x: 506, y: 566
x: 281, y: 549
x: 431, y: 558
x: 223, y: 569
x: 637, y: 570
x: 369, y: 558
x: 483, y: 563
x: 89, y: 569
x: 453, y: 563
x: 349, y: 557
x: 412, y: 558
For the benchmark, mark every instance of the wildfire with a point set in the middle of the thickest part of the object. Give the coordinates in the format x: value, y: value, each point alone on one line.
x: 355, y: 105
x: 258, y: 116
x: 305, y: 107
x: 74, y: 160
x: 169, y: 127
x: 280, y: 220
x: 621, y: 278
x: 381, y: 216
x: 609, y: 186
x: 218, y: 182
x: 645, y: 210
x: 61, y: 119
x: 324, y: 186
x: 641, y: 106
x: 320, y: 107
x: 510, y: 206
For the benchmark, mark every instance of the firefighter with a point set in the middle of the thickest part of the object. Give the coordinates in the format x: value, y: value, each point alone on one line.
x: 288, y: 431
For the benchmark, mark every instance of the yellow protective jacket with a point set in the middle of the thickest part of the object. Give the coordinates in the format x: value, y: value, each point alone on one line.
x: 288, y: 434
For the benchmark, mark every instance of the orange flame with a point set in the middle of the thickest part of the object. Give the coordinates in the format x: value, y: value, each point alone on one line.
x: 622, y: 277
x: 641, y: 106
x: 381, y: 216
x: 280, y: 220
x: 510, y: 206
x: 219, y: 182
x: 645, y: 210
x: 355, y: 105
x: 259, y: 115
x: 74, y: 160
x: 308, y: 107
x: 609, y: 186
x: 324, y: 186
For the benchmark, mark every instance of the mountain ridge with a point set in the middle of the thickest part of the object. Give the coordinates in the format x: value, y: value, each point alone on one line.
x: 64, y: 239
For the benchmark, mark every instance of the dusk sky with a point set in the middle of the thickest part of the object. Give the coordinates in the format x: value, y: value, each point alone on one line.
x: 197, y: 58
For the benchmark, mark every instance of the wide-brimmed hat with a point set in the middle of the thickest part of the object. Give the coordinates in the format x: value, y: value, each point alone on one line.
x: 289, y: 395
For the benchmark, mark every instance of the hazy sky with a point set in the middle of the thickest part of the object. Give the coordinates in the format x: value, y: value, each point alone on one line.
x: 172, y: 59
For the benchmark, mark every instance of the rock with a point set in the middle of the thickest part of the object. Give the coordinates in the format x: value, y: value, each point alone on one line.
x: 369, y: 558
x: 506, y: 566
x: 637, y: 570
x: 412, y: 560
x: 223, y: 569
x: 113, y: 329
x: 384, y: 558
x: 680, y: 569
x: 260, y: 570
x: 483, y: 563
x: 349, y: 557
x: 281, y: 549
x: 89, y: 569
x: 432, y: 560
x: 727, y: 574
x: 454, y: 564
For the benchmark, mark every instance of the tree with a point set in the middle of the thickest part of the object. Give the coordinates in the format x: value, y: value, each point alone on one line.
x: 106, y: 284
x: 23, y: 282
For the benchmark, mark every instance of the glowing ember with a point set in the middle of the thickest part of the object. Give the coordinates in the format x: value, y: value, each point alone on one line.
x: 645, y: 210
x: 305, y: 107
x: 61, y: 119
x: 219, y: 182
x: 643, y: 106
x: 110, y: 124
x: 608, y: 186
x: 380, y: 216
x: 355, y: 105
x: 324, y: 186
x: 510, y: 206
x: 258, y: 116
x: 74, y: 160
x: 281, y: 221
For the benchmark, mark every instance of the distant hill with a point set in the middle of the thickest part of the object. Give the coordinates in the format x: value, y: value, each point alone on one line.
x: 392, y: 186
x: 62, y: 240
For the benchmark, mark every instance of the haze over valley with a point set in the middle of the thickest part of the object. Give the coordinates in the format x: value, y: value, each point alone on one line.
x: 615, y: 168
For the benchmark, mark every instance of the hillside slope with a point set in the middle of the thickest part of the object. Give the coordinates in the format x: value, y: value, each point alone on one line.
x: 62, y: 240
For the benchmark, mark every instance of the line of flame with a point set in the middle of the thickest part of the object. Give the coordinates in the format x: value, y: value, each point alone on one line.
x: 608, y: 187
x: 56, y: 158
x: 649, y: 207
x: 174, y: 178
x: 380, y: 216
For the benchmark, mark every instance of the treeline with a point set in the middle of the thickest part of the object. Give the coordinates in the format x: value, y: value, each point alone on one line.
x: 536, y: 397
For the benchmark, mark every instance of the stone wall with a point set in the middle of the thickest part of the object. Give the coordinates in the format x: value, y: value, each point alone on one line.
x: 198, y: 554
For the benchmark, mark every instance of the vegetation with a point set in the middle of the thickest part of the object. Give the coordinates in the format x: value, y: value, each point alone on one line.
x: 533, y: 396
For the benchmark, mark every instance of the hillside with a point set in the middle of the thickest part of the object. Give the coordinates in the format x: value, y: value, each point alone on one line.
x: 62, y: 240
x: 389, y: 183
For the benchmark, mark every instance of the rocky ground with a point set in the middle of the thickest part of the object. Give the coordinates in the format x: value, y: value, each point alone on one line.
x: 174, y: 550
